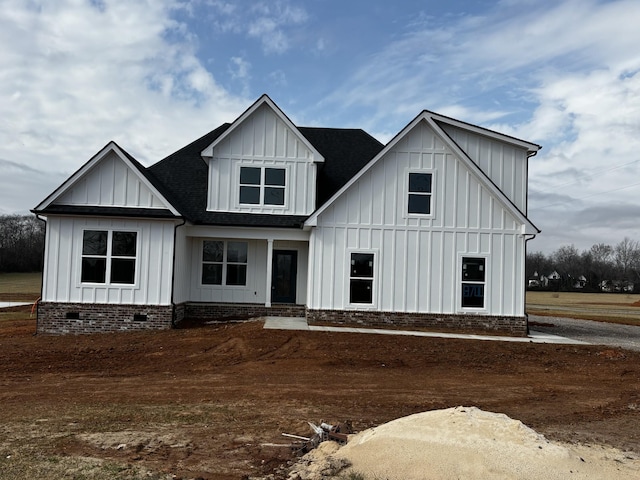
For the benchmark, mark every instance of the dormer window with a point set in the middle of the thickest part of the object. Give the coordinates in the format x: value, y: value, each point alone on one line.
x: 262, y: 186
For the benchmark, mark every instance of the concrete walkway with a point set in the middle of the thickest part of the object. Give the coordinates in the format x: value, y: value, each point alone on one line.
x: 14, y: 304
x: 286, y: 323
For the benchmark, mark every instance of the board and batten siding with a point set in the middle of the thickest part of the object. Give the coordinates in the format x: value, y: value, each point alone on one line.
x: 111, y: 183
x: 504, y: 164
x: 255, y: 289
x: 63, y: 257
x: 417, y: 259
x: 262, y: 140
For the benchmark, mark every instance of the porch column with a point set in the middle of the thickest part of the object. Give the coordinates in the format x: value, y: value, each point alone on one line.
x: 269, y: 270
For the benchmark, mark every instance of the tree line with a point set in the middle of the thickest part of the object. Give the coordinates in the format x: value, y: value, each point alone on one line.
x: 600, y: 268
x: 21, y: 243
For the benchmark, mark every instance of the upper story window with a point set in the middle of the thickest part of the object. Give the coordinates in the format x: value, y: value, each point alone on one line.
x: 108, y: 257
x: 262, y: 185
x: 224, y: 262
x: 420, y: 193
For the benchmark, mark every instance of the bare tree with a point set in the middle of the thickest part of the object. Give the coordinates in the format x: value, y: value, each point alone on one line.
x: 21, y: 243
x: 627, y: 258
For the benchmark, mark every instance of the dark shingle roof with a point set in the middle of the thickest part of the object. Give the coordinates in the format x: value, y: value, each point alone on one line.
x: 182, y: 177
x: 345, y: 152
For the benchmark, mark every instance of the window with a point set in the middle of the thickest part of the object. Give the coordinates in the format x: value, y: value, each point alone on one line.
x: 473, y: 282
x: 224, y: 262
x: 262, y: 185
x: 420, y: 191
x: 361, y: 278
x: 108, y: 257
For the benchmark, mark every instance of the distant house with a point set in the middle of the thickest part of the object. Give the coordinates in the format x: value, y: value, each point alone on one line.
x: 264, y: 217
x: 580, y: 282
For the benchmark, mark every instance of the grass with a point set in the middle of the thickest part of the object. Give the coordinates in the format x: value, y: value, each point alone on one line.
x: 20, y: 287
x: 604, y: 307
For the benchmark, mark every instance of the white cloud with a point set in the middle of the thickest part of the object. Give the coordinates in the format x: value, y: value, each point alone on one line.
x: 79, y: 74
x: 563, y: 74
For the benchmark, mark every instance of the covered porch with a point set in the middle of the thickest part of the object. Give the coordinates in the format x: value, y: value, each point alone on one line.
x: 246, y: 266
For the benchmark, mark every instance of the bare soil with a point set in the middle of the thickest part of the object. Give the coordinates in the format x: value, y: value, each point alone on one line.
x: 211, y: 401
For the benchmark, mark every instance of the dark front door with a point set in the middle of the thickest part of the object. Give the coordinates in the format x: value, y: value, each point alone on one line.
x: 283, y: 280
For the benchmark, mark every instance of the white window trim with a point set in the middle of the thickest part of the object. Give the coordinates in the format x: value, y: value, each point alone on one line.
x: 262, y: 186
x: 459, y: 281
x: 406, y: 192
x: 374, y: 286
x: 109, y: 256
x: 224, y: 285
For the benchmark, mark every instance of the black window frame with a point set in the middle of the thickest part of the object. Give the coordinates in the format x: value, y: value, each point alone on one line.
x: 473, y: 282
x: 110, y: 258
x: 269, y: 190
x: 362, y: 269
x: 232, y: 267
x: 420, y: 197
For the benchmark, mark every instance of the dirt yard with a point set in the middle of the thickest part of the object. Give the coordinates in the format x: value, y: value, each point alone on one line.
x: 211, y: 402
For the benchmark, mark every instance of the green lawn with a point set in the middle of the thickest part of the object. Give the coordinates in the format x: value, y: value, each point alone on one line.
x: 20, y: 287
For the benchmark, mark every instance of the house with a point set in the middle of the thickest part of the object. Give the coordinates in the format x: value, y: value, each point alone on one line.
x: 263, y: 217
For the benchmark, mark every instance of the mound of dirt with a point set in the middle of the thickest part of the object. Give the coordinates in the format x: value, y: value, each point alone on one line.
x: 466, y: 442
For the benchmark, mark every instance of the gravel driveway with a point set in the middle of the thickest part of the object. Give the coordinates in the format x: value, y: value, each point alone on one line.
x: 596, y: 333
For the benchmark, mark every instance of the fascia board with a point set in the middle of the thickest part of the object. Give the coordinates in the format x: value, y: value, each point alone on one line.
x: 89, y: 165
x: 264, y: 99
x: 313, y: 219
x: 530, y: 147
x: 481, y: 176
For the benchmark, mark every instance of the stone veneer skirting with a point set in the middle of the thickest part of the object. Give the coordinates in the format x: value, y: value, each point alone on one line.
x: 241, y: 311
x: 76, y: 318
x: 515, y: 326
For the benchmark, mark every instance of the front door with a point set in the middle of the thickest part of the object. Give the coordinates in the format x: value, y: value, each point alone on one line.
x: 283, y: 280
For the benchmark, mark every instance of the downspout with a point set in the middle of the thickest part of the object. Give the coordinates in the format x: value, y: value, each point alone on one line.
x: 44, y: 256
x: 524, y: 296
x: 173, y: 274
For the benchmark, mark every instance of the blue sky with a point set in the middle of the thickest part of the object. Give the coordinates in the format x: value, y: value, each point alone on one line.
x: 154, y: 75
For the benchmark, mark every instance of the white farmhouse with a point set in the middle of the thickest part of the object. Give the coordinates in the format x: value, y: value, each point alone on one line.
x: 262, y: 217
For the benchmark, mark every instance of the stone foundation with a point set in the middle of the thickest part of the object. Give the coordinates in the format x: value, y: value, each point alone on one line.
x: 77, y: 318
x: 241, y: 311
x: 514, y: 326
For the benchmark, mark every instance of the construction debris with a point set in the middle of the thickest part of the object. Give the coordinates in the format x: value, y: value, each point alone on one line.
x: 322, y: 433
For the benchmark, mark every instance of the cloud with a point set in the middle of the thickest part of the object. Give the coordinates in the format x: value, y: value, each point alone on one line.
x: 563, y: 74
x: 79, y: 74
x: 269, y: 22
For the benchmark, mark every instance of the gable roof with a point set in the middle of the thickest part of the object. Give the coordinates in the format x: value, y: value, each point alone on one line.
x: 48, y: 205
x: 263, y: 100
x: 432, y: 120
x: 184, y: 174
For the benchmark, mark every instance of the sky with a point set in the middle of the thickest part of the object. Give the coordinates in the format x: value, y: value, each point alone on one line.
x: 153, y: 75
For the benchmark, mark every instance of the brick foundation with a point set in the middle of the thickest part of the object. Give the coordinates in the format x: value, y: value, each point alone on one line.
x: 514, y: 326
x: 77, y: 318
x: 241, y: 311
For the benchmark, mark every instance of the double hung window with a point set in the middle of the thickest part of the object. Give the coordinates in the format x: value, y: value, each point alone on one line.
x: 473, y: 282
x: 420, y: 193
x: 224, y: 262
x: 108, y: 257
x: 361, y: 278
x: 262, y: 186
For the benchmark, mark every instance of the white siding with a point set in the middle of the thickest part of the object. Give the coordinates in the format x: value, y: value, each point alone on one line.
x: 418, y: 259
x: 154, y: 262
x: 504, y: 164
x: 111, y: 183
x: 255, y: 290
x: 263, y: 139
